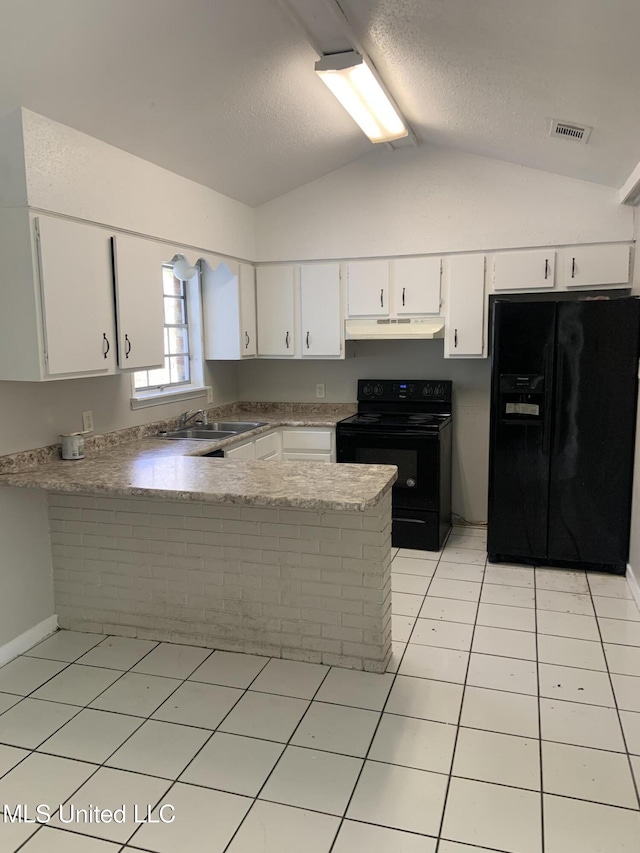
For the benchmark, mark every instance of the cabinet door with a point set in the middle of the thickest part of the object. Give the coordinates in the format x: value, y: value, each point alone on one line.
x: 416, y: 285
x: 320, y: 310
x: 248, y: 332
x: 77, y: 297
x: 242, y: 451
x: 368, y: 288
x: 464, y: 332
x: 269, y: 446
x: 276, y: 310
x: 139, y: 301
x: 585, y: 265
x: 306, y: 457
x: 524, y: 270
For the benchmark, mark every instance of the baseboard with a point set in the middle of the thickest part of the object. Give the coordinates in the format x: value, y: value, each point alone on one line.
x: 25, y: 641
x: 634, y: 584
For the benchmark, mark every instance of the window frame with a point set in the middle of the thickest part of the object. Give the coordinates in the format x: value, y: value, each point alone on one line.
x: 157, y: 395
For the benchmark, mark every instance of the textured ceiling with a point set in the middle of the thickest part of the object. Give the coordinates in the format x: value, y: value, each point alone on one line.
x: 223, y: 91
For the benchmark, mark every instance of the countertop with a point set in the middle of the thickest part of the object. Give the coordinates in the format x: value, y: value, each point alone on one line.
x: 172, y: 470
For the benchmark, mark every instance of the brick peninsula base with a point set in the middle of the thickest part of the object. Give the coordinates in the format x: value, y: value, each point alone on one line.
x: 308, y: 585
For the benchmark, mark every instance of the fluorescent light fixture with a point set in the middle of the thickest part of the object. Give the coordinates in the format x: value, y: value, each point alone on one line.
x: 354, y: 84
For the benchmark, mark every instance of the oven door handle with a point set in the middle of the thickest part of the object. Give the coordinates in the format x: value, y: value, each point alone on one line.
x: 408, y: 520
x: 347, y: 432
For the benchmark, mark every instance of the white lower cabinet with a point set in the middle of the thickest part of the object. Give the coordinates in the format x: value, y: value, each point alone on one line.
x: 246, y: 450
x: 311, y: 444
x: 289, y: 444
x: 269, y: 446
x: 464, y: 315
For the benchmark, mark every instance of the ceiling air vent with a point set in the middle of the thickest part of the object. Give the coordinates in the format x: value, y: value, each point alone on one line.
x: 573, y: 132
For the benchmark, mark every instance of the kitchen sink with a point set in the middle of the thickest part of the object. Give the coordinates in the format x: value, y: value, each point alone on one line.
x: 212, y: 431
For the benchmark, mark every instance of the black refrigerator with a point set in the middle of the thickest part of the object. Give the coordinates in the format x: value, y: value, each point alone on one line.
x: 563, y: 417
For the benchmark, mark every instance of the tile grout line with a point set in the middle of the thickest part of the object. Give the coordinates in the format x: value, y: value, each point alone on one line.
x: 539, y: 706
x: 635, y: 782
x: 343, y: 817
x: 285, y: 746
x: 86, y: 707
x: 459, y: 723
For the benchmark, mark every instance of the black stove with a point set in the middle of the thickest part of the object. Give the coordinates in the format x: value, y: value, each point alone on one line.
x: 407, y: 424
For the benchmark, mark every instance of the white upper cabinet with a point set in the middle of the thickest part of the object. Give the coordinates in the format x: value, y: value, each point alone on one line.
x: 139, y: 301
x: 229, y: 306
x: 415, y: 285
x: 589, y: 265
x: 368, y: 288
x: 77, y: 297
x: 320, y: 310
x: 248, y: 322
x: 275, y: 291
x: 465, y: 326
x: 533, y: 270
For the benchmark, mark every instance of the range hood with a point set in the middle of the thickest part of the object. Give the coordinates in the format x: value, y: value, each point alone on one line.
x: 425, y: 328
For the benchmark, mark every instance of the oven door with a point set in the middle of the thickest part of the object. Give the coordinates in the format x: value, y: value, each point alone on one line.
x: 415, y: 454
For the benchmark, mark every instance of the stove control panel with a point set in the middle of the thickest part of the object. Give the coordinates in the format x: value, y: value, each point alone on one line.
x: 392, y: 390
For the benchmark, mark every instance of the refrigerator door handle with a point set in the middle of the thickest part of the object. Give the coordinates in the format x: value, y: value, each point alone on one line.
x: 548, y: 399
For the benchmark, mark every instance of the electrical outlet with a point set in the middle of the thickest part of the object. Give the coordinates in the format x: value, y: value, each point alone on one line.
x: 87, y: 421
x: 320, y: 391
x: 209, y: 395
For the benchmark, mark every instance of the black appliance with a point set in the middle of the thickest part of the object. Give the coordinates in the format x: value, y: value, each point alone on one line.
x: 563, y: 415
x: 408, y: 424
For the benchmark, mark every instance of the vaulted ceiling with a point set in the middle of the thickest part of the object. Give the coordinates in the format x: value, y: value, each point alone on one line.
x: 224, y: 92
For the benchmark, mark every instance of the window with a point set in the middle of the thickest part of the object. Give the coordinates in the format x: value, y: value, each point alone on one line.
x: 177, y: 367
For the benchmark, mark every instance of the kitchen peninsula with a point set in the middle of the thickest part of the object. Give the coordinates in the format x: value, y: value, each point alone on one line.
x: 287, y: 559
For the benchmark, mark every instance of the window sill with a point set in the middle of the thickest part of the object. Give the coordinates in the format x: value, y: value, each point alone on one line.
x: 144, y: 399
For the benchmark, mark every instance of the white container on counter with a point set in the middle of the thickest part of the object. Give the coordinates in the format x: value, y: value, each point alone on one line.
x: 72, y: 445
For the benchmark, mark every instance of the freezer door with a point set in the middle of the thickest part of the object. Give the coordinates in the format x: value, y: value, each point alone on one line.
x: 594, y: 429
x: 521, y: 394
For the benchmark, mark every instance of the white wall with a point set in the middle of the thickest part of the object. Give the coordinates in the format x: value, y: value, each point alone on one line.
x: 432, y: 199
x: 26, y: 580
x: 295, y: 381
x: 33, y: 414
x: 72, y: 173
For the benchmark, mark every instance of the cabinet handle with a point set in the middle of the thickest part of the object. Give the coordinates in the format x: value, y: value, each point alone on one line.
x: 455, y: 337
x: 382, y: 297
x: 287, y: 340
x: 307, y: 340
x: 546, y: 268
x: 246, y: 334
x: 573, y: 267
x: 403, y: 297
x: 127, y: 346
x: 105, y: 340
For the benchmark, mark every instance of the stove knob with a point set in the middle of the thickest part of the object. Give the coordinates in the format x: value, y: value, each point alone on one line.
x: 411, y: 482
x: 427, y: 390
x: 367, y: 390
x: 378, y: 390
x: 438, y: 391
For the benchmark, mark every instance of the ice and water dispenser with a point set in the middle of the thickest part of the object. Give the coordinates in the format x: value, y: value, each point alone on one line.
x: 521, y: 397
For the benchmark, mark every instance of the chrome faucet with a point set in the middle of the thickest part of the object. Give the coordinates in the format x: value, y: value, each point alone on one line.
x: 200, y: 415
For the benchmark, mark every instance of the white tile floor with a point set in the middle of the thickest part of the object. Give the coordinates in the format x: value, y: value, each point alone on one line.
x: 509, y: 721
